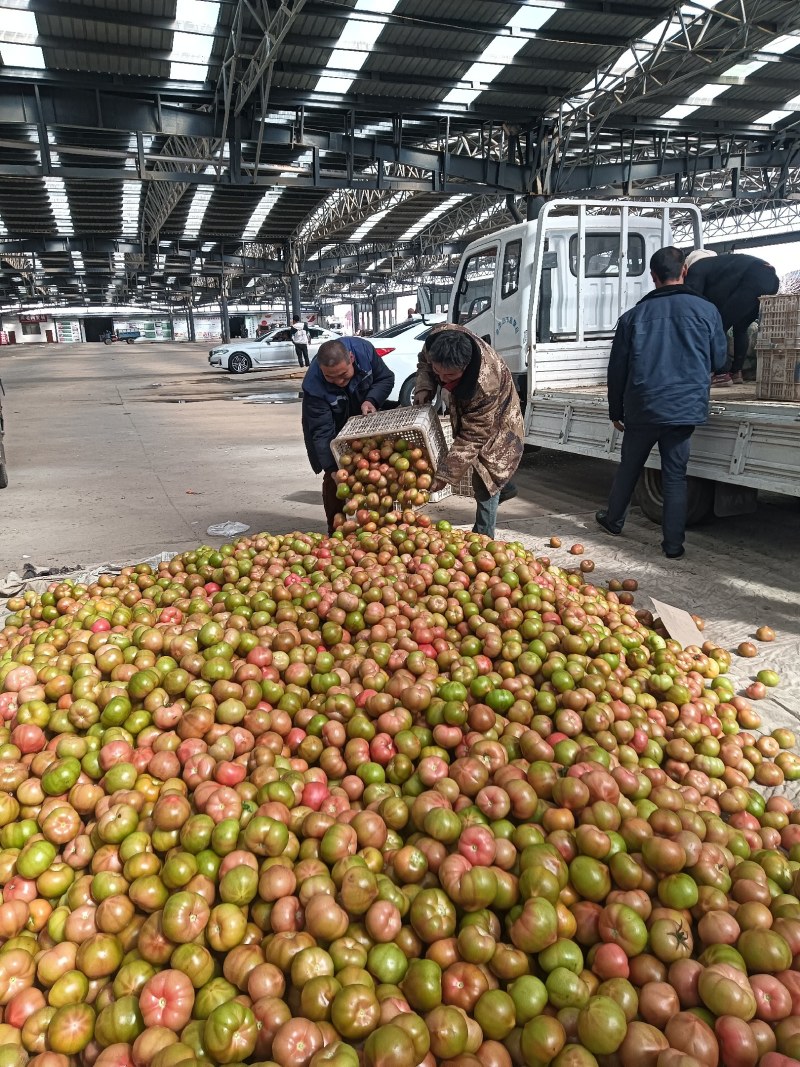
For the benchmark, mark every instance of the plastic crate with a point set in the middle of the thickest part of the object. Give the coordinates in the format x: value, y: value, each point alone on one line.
x: 778, y: 375
x: 421, y: 427
x: 779, y: 322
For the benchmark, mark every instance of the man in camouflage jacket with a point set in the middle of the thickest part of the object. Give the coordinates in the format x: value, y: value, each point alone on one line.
x: 485, y: 414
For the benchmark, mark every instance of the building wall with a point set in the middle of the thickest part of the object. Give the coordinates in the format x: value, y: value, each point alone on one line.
x: 27, y: 333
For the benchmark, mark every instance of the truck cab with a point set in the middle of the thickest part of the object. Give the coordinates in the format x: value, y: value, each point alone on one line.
x: 505, y: 297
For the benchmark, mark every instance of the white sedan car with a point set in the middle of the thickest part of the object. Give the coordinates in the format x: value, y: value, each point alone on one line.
x: 399, y: 346
x: 272, y: 349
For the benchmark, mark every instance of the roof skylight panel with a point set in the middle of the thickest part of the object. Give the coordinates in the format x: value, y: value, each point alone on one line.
x: 131, y: 199
x: 192, y: 50
x: 22, y: 53
x: 499, y: 53
x: 59, y: 205
x: 432, y: 216
x: 353, y: 46
x: 200, y: 201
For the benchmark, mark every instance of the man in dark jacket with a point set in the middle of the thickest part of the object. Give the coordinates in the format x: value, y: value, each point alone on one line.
x: 346, y: 378
x: 664, y: 352
x: 733, y: 284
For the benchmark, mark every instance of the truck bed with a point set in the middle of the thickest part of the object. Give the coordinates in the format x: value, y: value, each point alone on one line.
x: 746, y: 442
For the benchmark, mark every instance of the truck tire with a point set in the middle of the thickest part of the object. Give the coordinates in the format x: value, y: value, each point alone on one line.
x: 650, y: 498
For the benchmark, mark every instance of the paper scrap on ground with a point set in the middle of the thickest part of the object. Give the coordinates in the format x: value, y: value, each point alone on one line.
x: 679, y: 624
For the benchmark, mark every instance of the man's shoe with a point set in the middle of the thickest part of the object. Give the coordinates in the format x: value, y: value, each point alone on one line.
x: 737, y: 379
x: 508, y: 492
x: 601, y: 519
x: 721, y: 381
x: 675, y: 555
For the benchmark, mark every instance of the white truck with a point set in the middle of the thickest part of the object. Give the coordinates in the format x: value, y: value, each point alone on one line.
x: 547, y: 295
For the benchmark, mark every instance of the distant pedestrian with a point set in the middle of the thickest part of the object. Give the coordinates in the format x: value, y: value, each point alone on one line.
x: 733, y: 283
x: 664, y: 353
x: 300, y: 340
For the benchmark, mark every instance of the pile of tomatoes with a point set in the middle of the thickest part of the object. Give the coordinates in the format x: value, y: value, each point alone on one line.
x: 379, y: 473
x: 398, y: 797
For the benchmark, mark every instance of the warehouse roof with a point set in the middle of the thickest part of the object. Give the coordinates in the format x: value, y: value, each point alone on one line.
x: 211, y: 129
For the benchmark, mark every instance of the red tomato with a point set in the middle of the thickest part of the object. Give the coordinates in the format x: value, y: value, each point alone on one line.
x: 167, y: 1000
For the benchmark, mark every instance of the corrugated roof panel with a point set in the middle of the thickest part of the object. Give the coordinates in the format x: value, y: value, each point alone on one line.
x: 159, y: 8
x: 108, y: 63
x: 112, y: 33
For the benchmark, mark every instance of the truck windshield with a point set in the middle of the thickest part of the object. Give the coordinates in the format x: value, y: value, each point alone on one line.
x: 476, y: 285
x: 602, y: 255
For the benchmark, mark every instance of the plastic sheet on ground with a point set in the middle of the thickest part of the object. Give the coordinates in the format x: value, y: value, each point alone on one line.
x: 227, y: 529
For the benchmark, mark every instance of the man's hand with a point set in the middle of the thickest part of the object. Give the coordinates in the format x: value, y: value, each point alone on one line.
x: 437, y: 485
x: 421, y: 400
x: 368, y: 408
x: 619, y: 426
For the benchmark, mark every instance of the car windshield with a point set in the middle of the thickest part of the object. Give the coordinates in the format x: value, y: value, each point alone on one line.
x: 398, y: 328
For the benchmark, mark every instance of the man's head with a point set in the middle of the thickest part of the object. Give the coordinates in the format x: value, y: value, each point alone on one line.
x: 336, y: 363
x: 450, y: 353
x: 668, y: 266
x: 698, y: 254
x: 296, y: 318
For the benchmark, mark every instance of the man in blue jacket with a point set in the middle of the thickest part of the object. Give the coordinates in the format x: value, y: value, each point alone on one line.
x: 664, y: 353
x: 346, y: 378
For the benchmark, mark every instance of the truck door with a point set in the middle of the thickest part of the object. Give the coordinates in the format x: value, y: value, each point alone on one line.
x: 473, y: 303
x: 510, y: 321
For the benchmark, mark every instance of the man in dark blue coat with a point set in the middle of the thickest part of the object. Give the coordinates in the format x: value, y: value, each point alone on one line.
x: 664, y: 353
x: 346, y: 378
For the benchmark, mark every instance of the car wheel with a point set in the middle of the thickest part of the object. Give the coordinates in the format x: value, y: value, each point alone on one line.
x: 239, y: 363
x: 406, y: 395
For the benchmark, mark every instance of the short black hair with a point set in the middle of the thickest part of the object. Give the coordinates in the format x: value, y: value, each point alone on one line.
x: 451, y: 349
x: 296, y: 318
x: 332, y: 352
x: 667, y: 263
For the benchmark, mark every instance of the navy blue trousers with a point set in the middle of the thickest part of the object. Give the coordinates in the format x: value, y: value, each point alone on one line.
x: 673, y: 445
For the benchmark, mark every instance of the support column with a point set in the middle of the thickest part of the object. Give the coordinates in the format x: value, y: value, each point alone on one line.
x: 356, y: 323
x: 225, y: 322
x: 534, y: 205
x: 190, y: 321
x: 294, y: 281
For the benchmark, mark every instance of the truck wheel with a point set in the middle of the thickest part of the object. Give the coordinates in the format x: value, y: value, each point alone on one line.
x: 650, y: 498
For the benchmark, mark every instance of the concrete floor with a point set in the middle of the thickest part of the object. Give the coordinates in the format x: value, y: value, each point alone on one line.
x: 117, y: 453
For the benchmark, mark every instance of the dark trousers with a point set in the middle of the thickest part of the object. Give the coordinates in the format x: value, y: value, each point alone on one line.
x: 741, y: 309
x: 673, y: 444
x: 302, y: 355
x: 332, y: 504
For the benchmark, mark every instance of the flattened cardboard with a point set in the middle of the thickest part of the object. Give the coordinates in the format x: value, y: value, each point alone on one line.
x: 678, y: 623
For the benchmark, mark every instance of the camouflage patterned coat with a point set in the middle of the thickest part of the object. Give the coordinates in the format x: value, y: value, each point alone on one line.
x: 485, y: 414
